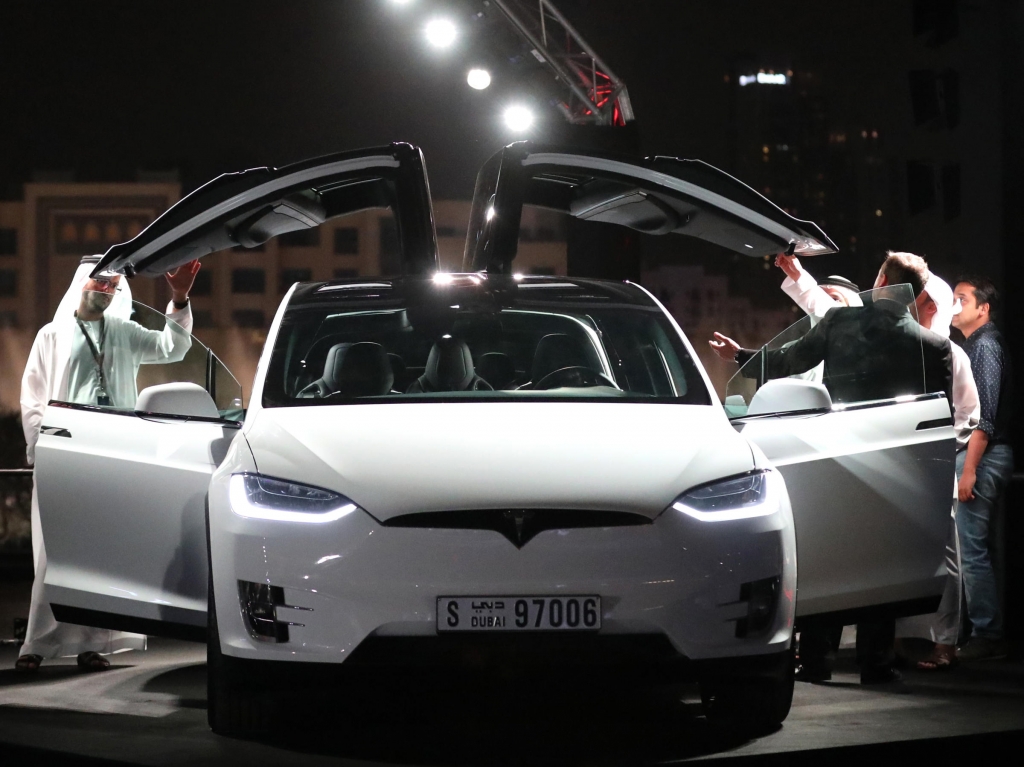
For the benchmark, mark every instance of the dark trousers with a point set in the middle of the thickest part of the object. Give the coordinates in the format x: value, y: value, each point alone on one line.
x: 819, y: 643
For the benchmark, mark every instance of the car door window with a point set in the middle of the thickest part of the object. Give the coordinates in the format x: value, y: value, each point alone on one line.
x: 863, y: 354
x: 139, y: 349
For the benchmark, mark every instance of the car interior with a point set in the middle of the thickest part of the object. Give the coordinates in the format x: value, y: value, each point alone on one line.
x: 341, y: 356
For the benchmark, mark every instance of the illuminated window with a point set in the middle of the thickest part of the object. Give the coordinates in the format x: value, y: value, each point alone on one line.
x: 92, y: 232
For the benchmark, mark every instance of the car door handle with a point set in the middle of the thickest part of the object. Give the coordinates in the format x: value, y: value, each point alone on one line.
x: 934, y: 424
x: 54, y: 431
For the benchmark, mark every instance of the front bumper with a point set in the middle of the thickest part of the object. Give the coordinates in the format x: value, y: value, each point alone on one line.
x: 677, y: 578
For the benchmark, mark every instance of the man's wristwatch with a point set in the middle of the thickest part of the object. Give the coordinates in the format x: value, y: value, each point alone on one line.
x: 179, y: 305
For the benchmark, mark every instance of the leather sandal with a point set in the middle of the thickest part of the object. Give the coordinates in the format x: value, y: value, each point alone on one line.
x: 92, y: 661
x: 28, y: 662
x: 942, y: 658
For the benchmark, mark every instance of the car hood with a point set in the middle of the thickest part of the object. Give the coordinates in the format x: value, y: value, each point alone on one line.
x: 397, y: 459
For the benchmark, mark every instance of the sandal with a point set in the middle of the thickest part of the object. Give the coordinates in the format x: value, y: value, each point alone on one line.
x: 28, y: 662
x: 92, y: 661
x: 943, y: 658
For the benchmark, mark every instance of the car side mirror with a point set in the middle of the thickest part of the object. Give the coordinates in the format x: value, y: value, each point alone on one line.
x: 180, y: 399
x: 789, y: 395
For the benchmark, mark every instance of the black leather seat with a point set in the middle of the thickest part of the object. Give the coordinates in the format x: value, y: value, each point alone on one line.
x: 497, y: 369
x: 554, y: 352
x: 449, y: 368
x: 353, y: 370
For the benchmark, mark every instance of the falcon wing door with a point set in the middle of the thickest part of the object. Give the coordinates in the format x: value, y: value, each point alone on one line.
x: 248, y: 208
x: 870, y: 480
x: 122, y: 493
x: 654, y: 195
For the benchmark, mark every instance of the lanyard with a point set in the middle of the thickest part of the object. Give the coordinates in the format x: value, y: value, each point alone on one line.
x: 97, y: 354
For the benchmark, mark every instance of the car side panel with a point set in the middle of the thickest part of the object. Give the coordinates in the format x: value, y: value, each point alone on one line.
x: 122, y: 503
x: 871, y: 493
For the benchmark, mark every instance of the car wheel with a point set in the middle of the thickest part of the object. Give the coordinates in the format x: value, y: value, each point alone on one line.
x: 757, y: 703
x: 234, y: 704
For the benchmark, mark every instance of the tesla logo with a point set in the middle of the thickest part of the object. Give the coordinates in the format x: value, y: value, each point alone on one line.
x: 517, y: 519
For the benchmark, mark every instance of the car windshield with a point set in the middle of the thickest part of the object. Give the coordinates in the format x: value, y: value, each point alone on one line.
x: 470, y: 337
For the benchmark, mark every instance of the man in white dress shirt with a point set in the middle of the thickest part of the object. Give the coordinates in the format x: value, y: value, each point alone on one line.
x: 90, y: 354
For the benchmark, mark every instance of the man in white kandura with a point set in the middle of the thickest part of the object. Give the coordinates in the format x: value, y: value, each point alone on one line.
x: 90, y: 354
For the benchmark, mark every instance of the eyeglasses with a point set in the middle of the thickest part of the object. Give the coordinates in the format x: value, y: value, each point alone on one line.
x: 105, y: 285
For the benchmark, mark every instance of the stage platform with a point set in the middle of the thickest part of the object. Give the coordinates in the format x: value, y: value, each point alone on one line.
x: 150, y: 709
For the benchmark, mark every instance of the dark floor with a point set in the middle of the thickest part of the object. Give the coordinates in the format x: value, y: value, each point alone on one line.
x: 150, y: 709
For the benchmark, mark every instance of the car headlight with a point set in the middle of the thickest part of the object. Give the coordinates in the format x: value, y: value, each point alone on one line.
x: 259, y: 497
x: 750, y: 495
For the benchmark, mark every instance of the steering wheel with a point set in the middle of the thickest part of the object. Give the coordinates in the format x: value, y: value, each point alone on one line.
x: 578, y: 376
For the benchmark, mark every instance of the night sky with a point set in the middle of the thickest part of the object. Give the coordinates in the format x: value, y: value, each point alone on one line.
x: 106, y: 88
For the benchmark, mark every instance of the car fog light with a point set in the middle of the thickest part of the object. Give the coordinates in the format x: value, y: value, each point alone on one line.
x: 260, y: 603
x: 761, y: 597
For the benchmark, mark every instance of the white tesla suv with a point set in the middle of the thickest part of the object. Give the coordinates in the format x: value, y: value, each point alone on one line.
x: 437, y: 461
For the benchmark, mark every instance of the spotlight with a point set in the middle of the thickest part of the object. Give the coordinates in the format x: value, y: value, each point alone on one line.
x: 478, y: 79
x: 441, y: 33
x: 518, y: 118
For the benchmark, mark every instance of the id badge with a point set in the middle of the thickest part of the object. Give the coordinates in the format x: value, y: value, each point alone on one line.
x: 104, y: 401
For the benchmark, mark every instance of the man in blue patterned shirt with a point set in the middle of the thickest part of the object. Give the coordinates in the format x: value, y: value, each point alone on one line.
x: 985, y: 467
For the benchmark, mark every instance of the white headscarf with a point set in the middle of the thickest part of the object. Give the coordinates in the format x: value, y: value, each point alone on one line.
x: 120, y: 306
x: 940, y: 292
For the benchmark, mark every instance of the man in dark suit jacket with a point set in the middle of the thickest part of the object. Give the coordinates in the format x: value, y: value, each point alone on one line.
x: 877, y: 351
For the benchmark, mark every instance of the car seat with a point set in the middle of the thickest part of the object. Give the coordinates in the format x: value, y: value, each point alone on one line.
x: 353, y: 370
x: 554, y: 352
x: 449, y: 368
x: 497, y: 369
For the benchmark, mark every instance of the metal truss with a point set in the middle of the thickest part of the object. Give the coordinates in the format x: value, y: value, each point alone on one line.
x: 593, y: 95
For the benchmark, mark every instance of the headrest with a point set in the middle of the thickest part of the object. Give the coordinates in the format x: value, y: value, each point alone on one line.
x: 554, y: 352
x: 449, y: 366
x: 358, y: 370
x: 496, y: 368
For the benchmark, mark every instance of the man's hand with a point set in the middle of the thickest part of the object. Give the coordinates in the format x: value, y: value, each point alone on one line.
x: 965, y: 487
x: 181, y: 280
x: 790, y: 265
x: 724, y: 347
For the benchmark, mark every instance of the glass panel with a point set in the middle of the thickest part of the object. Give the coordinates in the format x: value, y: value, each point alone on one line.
x: 860, y: 354
x: 139, y: 348
x: 546, y: 339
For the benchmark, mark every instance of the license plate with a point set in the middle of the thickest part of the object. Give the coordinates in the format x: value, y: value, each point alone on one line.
x: 562, y: 613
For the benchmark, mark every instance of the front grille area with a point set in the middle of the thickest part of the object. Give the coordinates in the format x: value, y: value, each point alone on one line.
x: 518, y: 525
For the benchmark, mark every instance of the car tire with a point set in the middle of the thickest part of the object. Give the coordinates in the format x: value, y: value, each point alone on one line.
x: 758, y: 703
x: 234, y: 704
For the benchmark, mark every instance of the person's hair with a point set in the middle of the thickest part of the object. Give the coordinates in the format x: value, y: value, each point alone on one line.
x: 984, y: 290
x: 900, y: 268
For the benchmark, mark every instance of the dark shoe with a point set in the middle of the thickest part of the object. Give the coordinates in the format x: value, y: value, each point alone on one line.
x: 28, y: 663
x: 880, y: 675
x: 92, y: 661
x: 980, y: 648
x: 812, y: 674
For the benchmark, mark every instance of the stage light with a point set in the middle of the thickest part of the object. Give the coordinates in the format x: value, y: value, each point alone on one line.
x: 441, y: 33
x: 478, y: 79
x: 518, y: 118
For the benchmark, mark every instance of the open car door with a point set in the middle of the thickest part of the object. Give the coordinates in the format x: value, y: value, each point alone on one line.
x: 870, y: 477
x: 248, y: 208
x: 655, y: 195
x: 122, y: 495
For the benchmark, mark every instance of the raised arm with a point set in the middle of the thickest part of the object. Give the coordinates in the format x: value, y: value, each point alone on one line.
x: 803, y: 288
